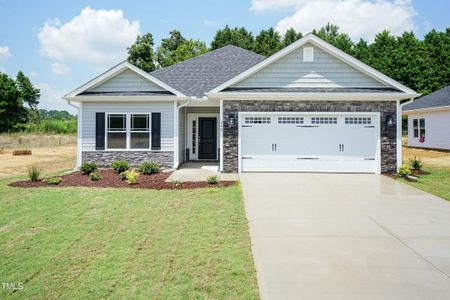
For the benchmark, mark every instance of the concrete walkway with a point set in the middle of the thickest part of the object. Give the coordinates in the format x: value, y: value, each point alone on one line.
x: 335, y: 236
x: 200, y: 171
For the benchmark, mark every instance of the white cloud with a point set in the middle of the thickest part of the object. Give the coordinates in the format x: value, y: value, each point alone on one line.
x: 209, y: 23
x: 4, y: 53
x: 358, y: 18
x: 52, y: 98
x: 60, y: 68
x: 98, y: 37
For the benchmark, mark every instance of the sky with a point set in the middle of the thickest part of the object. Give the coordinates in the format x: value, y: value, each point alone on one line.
x: 61, y: 45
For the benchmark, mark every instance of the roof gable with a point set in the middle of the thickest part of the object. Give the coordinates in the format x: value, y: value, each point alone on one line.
x: 330, y: 50
x: 124, y: 78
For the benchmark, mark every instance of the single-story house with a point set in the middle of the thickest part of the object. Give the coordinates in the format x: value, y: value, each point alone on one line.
x: 308, y: 108
x: 429, y: 120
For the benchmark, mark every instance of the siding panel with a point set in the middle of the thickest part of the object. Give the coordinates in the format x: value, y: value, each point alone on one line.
x: 127, y: 81
x: 437, y: 130
x: 325, y: 71
x: 88, y: 120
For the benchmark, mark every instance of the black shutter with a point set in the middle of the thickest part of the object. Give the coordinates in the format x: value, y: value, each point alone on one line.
x: 156, y: 131
x: 99, y: 131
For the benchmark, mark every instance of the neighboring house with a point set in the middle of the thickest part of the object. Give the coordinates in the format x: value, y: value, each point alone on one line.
x: 309, y: 107
x: 429, y: 120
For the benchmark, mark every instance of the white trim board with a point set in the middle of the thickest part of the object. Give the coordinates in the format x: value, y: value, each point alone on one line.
x: 195, y: 116
x: 339, y: 54
x: 427, y: 109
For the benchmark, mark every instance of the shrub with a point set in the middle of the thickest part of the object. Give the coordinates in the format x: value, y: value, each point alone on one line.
x: 54, y: 180
x: 123, y: 175
x: 120, y: 166
x: 95, y: 176
x: 21, y: 152
x: 34, y: 172
x: 416, y: 163
x: 131, y: 176
x: 404, y: 171
x: 87, y: 168
x: 212, y: 179
x: 149, y: 168
x: 176, y: 183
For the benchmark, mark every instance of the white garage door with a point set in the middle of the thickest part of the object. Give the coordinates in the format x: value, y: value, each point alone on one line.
x: 309, y: 142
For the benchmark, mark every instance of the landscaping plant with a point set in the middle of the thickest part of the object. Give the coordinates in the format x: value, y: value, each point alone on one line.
x: 54, y: 180
x: 123, y: 175
x: 34, y: 172
x: 213, y: 179
x: 87, y: 168
x: 95, y: 176
x: 149, y: 168
x: 416, y: 163
x: 120, y: 166
x: 131, y: 176
x: 404, y: 171
x: 176, y: 183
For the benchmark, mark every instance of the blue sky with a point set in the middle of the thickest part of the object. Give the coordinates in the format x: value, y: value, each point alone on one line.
x: 62, y: 44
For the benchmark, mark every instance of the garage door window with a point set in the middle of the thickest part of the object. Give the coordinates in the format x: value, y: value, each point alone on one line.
x: 358, y: 120
x: 257, y: 120
x: 290, y: 120
x: 323, y: 120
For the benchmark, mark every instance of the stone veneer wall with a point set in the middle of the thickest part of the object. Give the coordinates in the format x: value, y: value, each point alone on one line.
x: 231, y: 108
x: 134, y: 158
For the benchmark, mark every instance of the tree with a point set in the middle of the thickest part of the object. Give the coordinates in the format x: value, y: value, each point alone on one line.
x: 239, y: 37
x: 12, y: 111
x: 28, y: 93
x: 141, y: 53
x: 267, y: 42
x: 164, y: 54
x: 330, y: 33
x: 291, y: 36
x: 188, y: 49
x: 437, y: 48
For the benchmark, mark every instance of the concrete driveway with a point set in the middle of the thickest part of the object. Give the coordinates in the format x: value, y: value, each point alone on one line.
x: 336, y: 236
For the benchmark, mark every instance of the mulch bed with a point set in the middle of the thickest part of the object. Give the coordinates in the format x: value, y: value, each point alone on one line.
x: 110, y: 179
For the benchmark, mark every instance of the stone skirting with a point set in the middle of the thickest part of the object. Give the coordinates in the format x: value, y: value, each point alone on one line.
x: 134, y: 158
x: 387, y: 109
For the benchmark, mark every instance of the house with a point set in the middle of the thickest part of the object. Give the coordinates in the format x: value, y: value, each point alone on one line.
x: 429, y: 120
x: 308, y: 108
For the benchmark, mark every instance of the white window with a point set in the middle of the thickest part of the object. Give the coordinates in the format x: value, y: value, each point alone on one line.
x: 419, y: 128
x: 140, y: 131
x: 308, y: 54
x: 257, y: 120
x: 290, y: 120
x: 358, y: 120
x: 117, y: 131
x: 128, y: 131
x: 324, y: 120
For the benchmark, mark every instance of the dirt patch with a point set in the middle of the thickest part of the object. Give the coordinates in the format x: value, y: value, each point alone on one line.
x: 110, y: 178
x: 431, y: 158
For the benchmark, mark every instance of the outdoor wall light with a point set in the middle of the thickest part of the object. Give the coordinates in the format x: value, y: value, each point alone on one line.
x: 231, y: 119
x: 390, y: 120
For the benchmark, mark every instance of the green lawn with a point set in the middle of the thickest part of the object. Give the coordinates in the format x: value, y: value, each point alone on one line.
x: 437, y: 182
x: 78, y: 243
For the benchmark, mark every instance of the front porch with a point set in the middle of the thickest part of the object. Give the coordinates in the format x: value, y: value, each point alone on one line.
x: 200, y: 171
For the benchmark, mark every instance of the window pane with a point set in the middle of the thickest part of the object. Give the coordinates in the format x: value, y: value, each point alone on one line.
x: 117, y: 140
x: 117, y: 122
x: 415, y: 123
x: 422, y: 123
x: 140, y: 140
x: 416, y: 133
x: 139, y: 123
x: 422, y: 133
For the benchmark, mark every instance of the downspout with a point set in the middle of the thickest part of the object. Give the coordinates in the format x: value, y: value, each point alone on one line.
x: 177, y: 160
x: 399, y: 132
x: 78, y: 131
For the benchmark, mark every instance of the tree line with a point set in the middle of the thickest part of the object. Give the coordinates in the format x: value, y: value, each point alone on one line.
x: 421, y: 64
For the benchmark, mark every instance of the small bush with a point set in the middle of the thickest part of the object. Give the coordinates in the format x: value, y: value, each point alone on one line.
x: 131, y: 176
x: 120, y: 166
x: 34, y: 172
x: 176, y: 183
x: 416, y: 163
x: 213, y: 179
x: 149, y: 168
x: 404, y: 171
x: 95, y: 176
x: 54, y: 180
x: 87, y: 168
x: 21, y: 152
x: 123, y: 175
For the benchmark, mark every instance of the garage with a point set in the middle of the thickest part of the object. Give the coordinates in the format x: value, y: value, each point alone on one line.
x: 309, y: 142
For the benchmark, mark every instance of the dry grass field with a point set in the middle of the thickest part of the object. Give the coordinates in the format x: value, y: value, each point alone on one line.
x: 50, y: 152
x: 430, y: 158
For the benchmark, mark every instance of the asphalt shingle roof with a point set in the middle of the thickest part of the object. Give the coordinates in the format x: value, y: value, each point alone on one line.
x: 200, y: 74
x: 436, y: 99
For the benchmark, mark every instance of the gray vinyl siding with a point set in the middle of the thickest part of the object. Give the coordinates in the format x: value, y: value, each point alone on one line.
x: 126, y: 81
x: 182, y: 135
x: 203, y: 110
x: 88, y: 120
x: 325, y: 71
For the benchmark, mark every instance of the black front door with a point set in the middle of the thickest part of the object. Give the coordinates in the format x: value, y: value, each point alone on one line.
x: 207, y: 145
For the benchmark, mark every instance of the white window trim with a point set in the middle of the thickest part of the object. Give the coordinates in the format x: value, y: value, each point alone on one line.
x: 128, y: 131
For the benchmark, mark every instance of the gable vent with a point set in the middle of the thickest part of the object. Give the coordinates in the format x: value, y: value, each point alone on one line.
x: 308, y: 54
